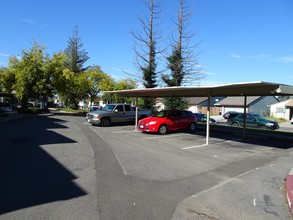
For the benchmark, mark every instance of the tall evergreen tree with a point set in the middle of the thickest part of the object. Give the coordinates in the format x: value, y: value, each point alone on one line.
x: 146, y: 55
x: 77, y: 56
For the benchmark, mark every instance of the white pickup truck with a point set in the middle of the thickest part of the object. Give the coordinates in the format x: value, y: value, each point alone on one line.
x: 116, y: 113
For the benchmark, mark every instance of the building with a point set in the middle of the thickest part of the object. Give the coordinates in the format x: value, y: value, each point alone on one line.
x: 282, y: 109
x: 254, y: 104
x: 200, y: 104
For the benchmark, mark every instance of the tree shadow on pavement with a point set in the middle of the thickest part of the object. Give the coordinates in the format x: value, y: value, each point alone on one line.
x: 29, y: 175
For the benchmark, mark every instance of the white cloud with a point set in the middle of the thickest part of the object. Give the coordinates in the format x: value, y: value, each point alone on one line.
x: 260, y: 56
x: 209, y: 83
x: 208, y: 73
x: 4, y: 55
x: 236, y: 56
x: 46, y: 25
x: 27, y: 20
x: 288, y: 59
x: 116, y: 69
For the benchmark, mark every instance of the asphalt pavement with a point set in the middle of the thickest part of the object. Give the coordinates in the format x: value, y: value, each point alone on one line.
x: 266, y: 199
x: 256, y: 194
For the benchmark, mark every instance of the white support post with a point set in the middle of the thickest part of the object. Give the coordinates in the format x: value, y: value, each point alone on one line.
x: 208, y: 120
x: 245, y: 117
x: 136, y: 113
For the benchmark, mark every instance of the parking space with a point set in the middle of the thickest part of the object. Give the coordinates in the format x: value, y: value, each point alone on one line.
x: 178, y: 155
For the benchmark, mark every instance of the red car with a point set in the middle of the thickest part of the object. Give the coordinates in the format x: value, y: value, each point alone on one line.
x: 168, y: 120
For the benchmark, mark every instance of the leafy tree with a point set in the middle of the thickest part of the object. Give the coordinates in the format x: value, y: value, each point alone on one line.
x: 146, y: 55
x: 60, y: 76
x: 95, y: 80
x: 77, y: 56
x: 120, y: 85
x: 7, y: 75
x: 31, y: 80
x: 63, y: 80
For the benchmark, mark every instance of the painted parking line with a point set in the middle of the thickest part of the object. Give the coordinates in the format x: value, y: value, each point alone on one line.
x: 165, y: 136
x: 119, y: 132
x: 234, y: 140
x: 221, y: 184
x: 197, y: 146
x: 204, y: 145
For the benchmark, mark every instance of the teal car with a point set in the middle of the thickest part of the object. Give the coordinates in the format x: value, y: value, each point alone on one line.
x: 252, y: 121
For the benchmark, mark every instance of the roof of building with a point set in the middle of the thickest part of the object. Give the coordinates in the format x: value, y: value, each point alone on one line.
x: 237, y: 101
x: 289, y: 103
x: 196, y: 100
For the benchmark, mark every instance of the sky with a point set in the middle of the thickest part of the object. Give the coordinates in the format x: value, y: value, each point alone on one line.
x: 236, y: 40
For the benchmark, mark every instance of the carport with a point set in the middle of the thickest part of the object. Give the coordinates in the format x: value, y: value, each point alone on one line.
x: 244, y: 89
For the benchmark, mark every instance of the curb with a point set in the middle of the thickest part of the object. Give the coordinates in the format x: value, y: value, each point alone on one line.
x: 289, y: 190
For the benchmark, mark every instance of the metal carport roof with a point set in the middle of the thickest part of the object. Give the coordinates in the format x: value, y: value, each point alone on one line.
x: 245, y: 89
x: 236, y: 89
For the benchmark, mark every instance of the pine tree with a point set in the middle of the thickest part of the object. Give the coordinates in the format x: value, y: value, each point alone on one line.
x: 146, y: 56
x: 75, y: 64
x: 77, y: 56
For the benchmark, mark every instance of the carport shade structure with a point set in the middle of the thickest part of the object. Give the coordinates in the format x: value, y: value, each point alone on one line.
x: 244, y: 89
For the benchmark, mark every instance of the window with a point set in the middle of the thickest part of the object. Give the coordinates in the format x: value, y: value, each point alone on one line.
x: 127, y: 108
x: 119, y: 108
x: 280, y: 110
x: 183, y: 114
x: 250, y: 117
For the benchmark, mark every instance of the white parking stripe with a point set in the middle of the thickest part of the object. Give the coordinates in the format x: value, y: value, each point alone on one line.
x: 203, y: 145
x: 221, y: 184
x: 118, y: 132
x: 165, y: 136
x: 233, y: 140
x: 197, y: 146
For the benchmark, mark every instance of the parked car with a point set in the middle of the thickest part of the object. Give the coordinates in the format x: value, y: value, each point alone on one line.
x: 203, y: 118
x: 115, y: 113
x: 6, y: 107
x: 252, y: 120
x: 227, y: 114
x: 95, y: 108
x: 168, y: 120
x: 3, y: 113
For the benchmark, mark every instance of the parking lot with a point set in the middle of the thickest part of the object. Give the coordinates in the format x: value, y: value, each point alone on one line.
x: 252, y: 171
x: 178, y: 155
x: 133, y: 175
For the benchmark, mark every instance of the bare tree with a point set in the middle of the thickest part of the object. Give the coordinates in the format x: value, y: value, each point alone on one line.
x: 146, y: 49
x: 182, y: 62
